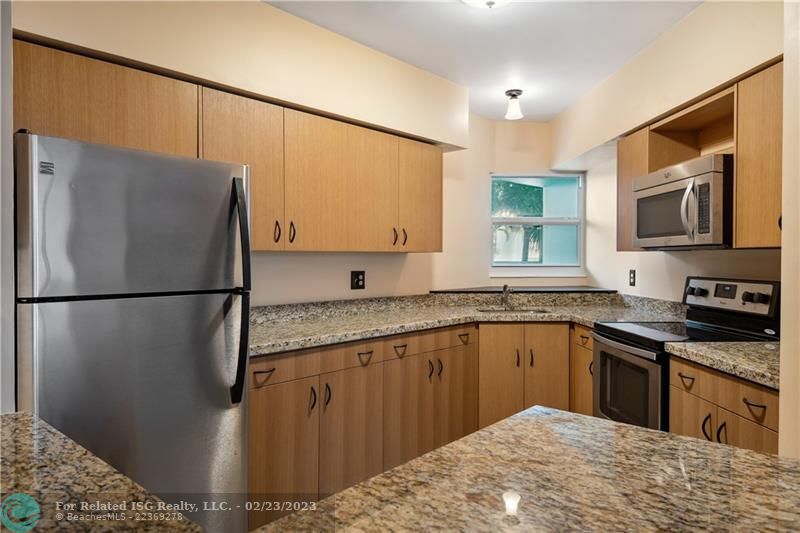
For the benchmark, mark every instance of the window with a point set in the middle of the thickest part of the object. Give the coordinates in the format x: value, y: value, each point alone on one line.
x: 537, y: 221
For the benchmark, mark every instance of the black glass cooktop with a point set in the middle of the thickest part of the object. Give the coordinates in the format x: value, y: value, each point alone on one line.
x: 655, y: 334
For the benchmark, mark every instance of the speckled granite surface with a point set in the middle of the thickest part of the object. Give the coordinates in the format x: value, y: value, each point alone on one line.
x: 758, y: 362
x: 572, y: 472
x: 41, y: 462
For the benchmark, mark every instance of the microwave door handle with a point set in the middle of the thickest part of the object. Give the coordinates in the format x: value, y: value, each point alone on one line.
x: 685, y: 209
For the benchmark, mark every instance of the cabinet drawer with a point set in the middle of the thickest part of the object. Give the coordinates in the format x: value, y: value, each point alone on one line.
x: 748, y: 400
x: 272, y: 369
x: 428, y: 341
x: 350, y: 355
x: 582, y: 336
x: 696, y: 379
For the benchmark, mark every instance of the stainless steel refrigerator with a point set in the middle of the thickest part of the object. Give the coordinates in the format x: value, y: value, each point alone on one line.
x: 133, y: 278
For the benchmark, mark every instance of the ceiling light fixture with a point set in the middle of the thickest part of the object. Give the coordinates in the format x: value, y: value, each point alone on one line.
x: 487, y: 4
x: 514, y: 111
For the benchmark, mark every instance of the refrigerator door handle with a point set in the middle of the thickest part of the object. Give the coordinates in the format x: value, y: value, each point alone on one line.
x: 240, y: 202
x: 237, y: 390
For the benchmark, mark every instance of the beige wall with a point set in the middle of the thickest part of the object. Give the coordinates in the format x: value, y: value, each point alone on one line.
x: 790, y: 309
x: 659, y: 274
x: 714, y: 43
x: 258, y: 48
x: 521, y: 147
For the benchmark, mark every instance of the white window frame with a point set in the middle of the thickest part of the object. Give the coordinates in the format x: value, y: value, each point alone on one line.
x: 534, y: 270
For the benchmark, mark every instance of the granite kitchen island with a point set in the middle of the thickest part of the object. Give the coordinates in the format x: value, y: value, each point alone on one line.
x: 571, y: 472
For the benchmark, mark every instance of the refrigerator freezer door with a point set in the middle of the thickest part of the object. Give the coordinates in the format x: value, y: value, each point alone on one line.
x: 144, y: 383
x: 100, y: 220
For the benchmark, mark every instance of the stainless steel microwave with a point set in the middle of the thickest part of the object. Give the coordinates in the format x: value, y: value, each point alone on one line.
x: 685, y: 206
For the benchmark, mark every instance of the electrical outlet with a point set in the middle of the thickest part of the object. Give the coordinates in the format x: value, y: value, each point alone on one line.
x: 358, y: 279
x: 632, y: 277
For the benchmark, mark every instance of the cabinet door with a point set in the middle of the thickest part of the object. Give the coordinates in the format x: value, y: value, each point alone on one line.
x: 737, y: 431
x: 500, y: 373
x: 62, y: 94
x: 283, y: 444
x: 581, y: 383
x: 420, y: 197
x: 407, y: 409
x: 456, y: 394
x: 546, y: 358
x: 759, y: 138
x: 351, y: 427
x: 690, y: 415
x: 242, y: 130
x: 631, y: 162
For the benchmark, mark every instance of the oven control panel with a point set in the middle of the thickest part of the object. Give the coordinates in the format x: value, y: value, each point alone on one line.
x: 744, y: 296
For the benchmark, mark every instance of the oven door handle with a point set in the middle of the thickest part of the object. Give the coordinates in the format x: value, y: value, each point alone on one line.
x: 685, y: 209
x: 652, y: 356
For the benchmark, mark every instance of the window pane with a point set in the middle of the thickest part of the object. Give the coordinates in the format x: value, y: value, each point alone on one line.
x: 543, y: 245
x: 535, y: 197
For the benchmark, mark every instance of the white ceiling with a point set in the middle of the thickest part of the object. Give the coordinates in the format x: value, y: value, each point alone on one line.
x: 555, y: 52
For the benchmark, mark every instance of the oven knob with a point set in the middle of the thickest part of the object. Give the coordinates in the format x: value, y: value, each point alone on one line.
x: 690, y: 290
x: 748, y: 297
x: 760, y: 298
x: 700, y: 291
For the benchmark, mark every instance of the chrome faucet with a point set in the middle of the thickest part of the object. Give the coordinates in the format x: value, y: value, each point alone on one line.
x: 505, y: 300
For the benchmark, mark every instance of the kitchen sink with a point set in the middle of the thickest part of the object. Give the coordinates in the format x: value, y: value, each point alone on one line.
x: 511, y: 310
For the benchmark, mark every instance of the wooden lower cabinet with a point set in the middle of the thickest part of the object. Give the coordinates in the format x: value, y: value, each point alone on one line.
x: 501, y: 382
x: 455, y: 394
x: 351, y: 427
x: 737, y: 431
x: 547, y: 365
x: 581, y: 384
x: 283, y: 444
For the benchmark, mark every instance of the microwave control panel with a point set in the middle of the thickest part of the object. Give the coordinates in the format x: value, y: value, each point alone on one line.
x: 704, y: 208
x: 754, y: 297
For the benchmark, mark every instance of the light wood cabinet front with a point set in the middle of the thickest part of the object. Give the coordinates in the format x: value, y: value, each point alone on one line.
x: 546, y: 365
x: 759, y: 138
x: 632, y: 162
x: 500, y: 374
x: 455, y: 393
x: 420, y: 197
x: 283, y: 444
x: 351, y: 427
x: 690, y: 415
x: 581, y: 384
x: 246, y: 131
x: 62, y: 94
x: 737, y: 431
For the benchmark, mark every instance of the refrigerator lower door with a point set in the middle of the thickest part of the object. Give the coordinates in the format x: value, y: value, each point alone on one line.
x: 101, y: 220
x: 144, y: 383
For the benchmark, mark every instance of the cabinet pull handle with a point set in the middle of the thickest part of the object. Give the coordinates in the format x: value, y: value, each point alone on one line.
x: 292, y: 231
x: 591, y: 367
x: 362, y: 355
x: 268, y: 373
x: 394, y: 242
x: 441, y: 367
x: 277, y: 232
x: 750, y: 405
x: 399, y: 347
x: 584, y: 339
x: 531, y: 357
x: 517, y: 356
x: 313, y: 399
x: 463, y: 337
x: 706, y: 420
x: 684, y: 377
x: 430, y: 366
x: 780, y: 222
x: 328, y: 394
x: 405, y: 237
x: 719, y: 432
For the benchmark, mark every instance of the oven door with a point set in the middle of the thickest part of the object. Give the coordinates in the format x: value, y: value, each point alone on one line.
x: 627, y: 384
x: 686, y: 212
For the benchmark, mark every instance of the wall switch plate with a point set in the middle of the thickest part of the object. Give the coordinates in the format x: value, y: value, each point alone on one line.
x: 632, y: 277
x: 358, y: 279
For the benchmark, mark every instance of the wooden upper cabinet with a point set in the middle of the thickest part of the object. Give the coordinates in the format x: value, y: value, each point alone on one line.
x: 62, y: 94
x: 243, y: 130
x: 500, y: 373
x: 632, y: 162
x: 546, y: 362
x: 420, y: 197
x: 759, y: 138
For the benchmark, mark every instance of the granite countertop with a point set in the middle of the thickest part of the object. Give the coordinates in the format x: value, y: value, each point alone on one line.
x: 759, y: 362
x: 41, y: 462
x: 571, y: 472
x: 498, y: 289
